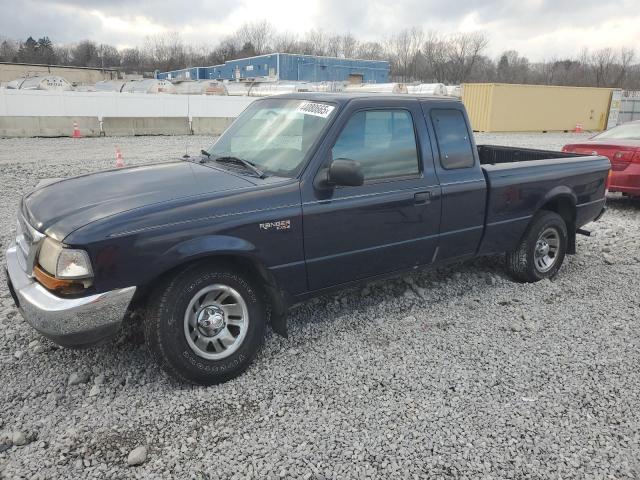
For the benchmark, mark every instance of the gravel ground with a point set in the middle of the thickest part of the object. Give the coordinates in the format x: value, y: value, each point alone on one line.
x: 458, y: 372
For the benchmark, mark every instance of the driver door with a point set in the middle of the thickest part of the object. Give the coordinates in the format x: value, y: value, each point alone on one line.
x: 389, y: 223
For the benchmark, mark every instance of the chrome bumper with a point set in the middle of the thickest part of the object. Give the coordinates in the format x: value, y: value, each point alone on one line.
x: 67, y: 321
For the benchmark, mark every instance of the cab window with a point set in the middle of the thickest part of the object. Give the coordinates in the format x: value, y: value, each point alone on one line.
x: 453, y: 139
x: 383, y: 141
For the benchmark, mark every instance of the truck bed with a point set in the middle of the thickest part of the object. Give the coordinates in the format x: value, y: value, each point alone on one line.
x: 520, y: 181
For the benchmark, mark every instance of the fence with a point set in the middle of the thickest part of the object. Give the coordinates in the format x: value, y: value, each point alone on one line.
x: 629, y: 107
x: 52, y: 114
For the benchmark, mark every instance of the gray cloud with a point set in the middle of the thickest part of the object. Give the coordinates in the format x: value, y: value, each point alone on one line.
x: 540, y: 28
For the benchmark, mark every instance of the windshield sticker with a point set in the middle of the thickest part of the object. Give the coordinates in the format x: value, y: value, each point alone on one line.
x: 316, y: 109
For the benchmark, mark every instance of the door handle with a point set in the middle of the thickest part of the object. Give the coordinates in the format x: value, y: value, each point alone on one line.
x: 422, y: 198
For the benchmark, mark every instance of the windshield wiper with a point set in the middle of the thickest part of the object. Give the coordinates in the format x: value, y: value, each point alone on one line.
x: 237, y: 161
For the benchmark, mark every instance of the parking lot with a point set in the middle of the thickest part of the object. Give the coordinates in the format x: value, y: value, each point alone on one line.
x: 457, y: 372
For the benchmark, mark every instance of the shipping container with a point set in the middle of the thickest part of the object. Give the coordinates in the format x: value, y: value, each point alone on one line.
x: 500, y: 107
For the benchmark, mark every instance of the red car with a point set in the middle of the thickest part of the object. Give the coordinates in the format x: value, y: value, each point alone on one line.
x: 621, y: 145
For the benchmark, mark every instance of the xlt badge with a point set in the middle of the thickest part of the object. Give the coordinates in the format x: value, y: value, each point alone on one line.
x: 278, y: 225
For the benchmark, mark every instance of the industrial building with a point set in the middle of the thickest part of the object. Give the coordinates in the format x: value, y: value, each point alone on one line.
x: 78, y: 75
x: 286, y: 66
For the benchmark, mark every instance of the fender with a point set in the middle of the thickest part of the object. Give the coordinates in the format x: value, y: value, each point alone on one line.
x: 211, y: 246
x: 556, y: 193
x: 206, y: 246
x: 563, y: 200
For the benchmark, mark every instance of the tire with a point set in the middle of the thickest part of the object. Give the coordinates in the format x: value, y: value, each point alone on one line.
x: 546, y: 232
x: 206, y: 324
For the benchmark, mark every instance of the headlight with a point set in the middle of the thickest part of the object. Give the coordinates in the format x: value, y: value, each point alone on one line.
x: 65, y: 263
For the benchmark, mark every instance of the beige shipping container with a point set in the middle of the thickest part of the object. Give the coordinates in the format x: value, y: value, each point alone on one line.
x: 502, y: 107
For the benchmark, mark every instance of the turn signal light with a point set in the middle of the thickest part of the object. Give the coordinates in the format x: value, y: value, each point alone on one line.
x: 58, y: 285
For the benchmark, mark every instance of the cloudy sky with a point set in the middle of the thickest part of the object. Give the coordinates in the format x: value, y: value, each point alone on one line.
x: 537, y: 28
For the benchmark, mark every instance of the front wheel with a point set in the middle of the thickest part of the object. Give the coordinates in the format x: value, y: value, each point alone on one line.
x: 206, y: 324
x: 542, y: 250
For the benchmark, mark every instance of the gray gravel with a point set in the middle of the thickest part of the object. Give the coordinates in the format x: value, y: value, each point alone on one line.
x: 457, y: 372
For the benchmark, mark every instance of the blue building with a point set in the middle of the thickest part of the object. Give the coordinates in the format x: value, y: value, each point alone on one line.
x: 286, y: 66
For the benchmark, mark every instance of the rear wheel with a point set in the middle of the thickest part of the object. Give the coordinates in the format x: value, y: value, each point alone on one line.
x: 206, y: 324
x: 542, y: 250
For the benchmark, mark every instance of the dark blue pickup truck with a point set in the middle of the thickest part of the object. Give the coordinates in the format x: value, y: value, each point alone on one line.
x: 302, y: 194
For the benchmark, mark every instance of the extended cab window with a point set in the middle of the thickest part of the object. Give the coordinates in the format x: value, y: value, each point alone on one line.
x: 453, y: 139
x: 383, y: 141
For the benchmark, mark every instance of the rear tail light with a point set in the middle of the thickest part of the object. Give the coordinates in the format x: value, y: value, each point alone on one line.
x: 623, y: 156
x: 636, y: 157
x: 566, y: 148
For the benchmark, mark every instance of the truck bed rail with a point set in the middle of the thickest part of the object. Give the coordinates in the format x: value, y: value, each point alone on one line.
x: 492, y: 154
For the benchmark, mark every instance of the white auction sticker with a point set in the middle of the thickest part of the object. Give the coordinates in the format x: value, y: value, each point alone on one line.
x: 316, y: 109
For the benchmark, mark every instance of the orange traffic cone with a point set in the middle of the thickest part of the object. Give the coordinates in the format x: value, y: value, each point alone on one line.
x: 119, y: 161
x: 578, y: 128
x: 76, y: 130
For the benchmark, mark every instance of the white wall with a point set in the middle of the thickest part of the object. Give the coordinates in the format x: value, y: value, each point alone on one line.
x: 16, y: 103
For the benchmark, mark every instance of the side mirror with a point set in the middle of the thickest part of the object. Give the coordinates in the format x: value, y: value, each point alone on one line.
x: 344, y: 172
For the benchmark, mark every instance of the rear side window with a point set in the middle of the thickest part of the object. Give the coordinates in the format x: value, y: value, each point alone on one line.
x: 383, y: 141
x: 453, y: 139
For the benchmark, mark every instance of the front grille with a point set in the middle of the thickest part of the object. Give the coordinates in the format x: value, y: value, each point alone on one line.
x: 28, y: 240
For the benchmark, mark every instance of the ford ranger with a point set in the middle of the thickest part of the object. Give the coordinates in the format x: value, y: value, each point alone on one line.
x: 302, y: 194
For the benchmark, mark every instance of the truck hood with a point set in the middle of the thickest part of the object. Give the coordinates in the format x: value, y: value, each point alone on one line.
x: 59, y: 208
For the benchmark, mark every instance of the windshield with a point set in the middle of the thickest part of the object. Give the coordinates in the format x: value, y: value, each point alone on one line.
x: 628, y: 131
x: 275, y: 134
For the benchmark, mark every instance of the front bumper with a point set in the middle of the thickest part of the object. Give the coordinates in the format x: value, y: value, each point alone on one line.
x: 67, y: 321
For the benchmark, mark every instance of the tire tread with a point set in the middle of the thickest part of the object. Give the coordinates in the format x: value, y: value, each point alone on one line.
x: 161, y: 299
x: 519, y: 262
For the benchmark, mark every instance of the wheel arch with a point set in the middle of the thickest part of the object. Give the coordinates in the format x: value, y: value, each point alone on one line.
x: 220, y: 250
x: 564, y: 204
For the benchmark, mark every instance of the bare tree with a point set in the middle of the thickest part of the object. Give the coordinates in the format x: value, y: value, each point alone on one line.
x: 333, y: 46
x: 413, y: 56
x: 85, y: 54
x: 512, y: 68
x: 9, y: 50
x: 404, y: 52
x: 259, y: 35
x: 286, y: 43
x: 464, y: 51
x: 349, y: 46
x: 315, y: 43
x: 625, y: 57
x: 602, y: 62
x: 435, y: 52
x: 167, y: 52
x: 132, y: 60
x: 371, y: 51
x: 226, y: 50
